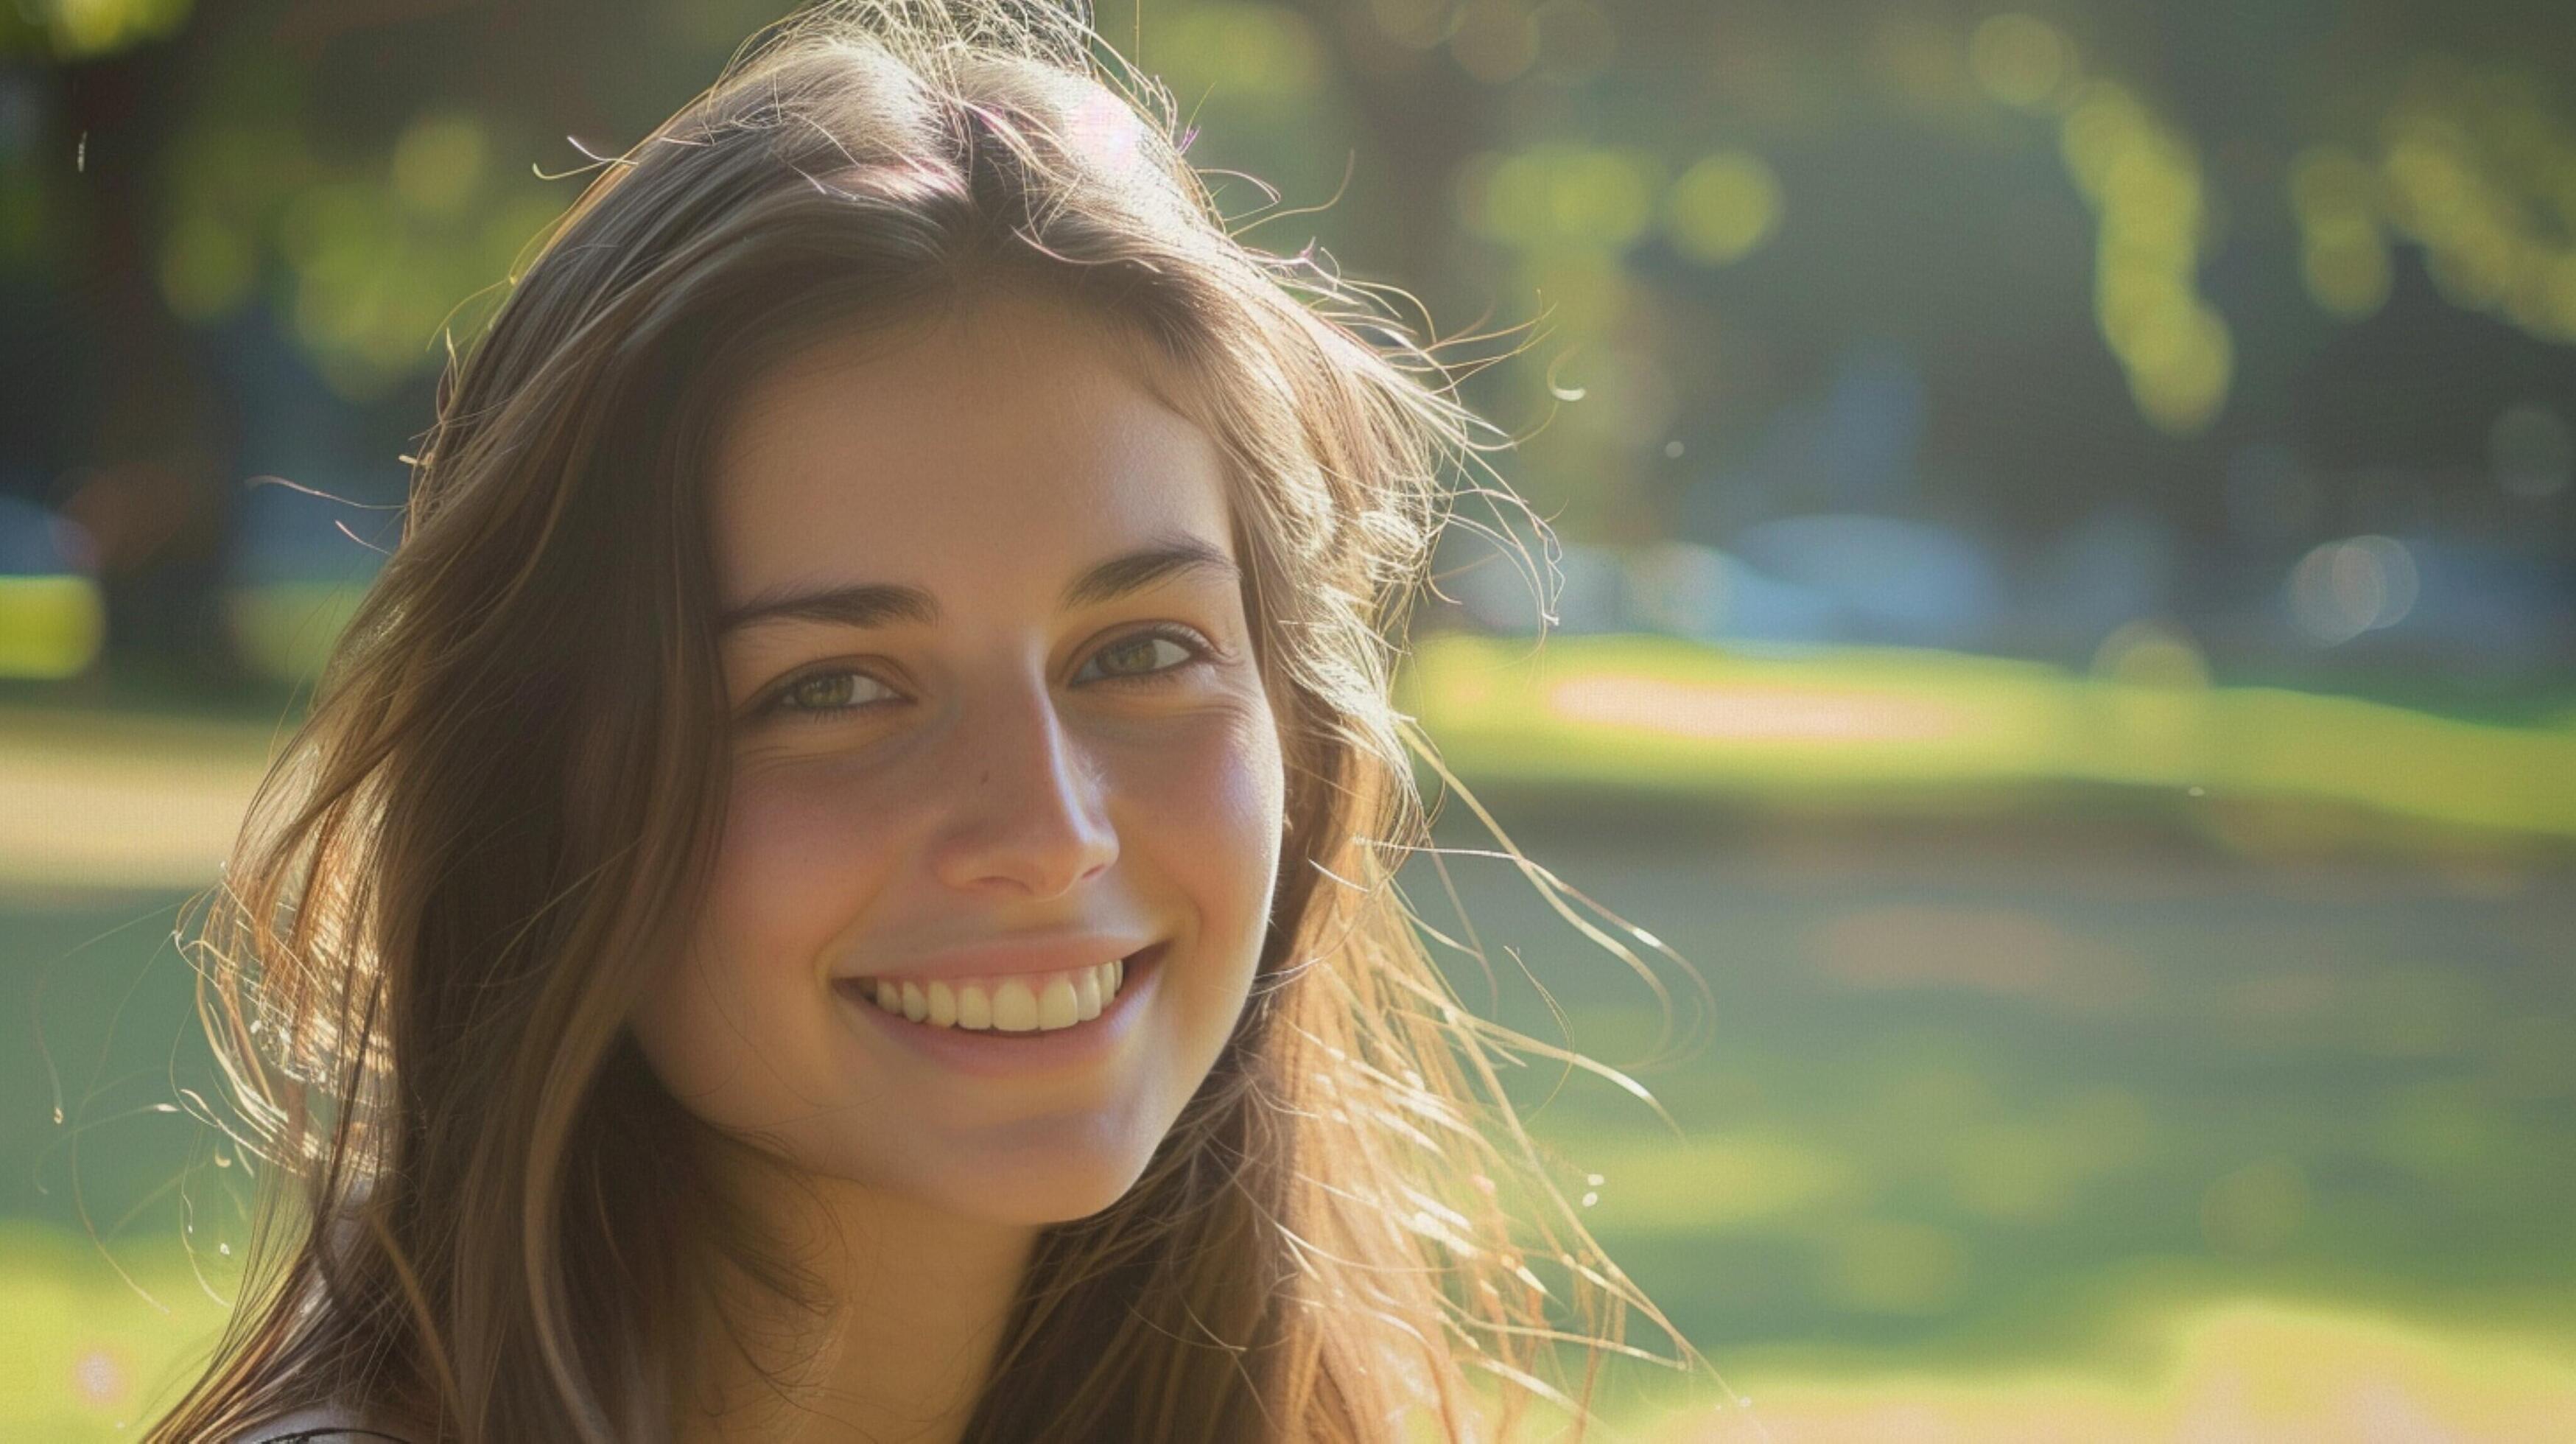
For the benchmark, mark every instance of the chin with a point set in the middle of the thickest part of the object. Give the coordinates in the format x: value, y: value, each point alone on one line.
x: 1026, y: 1183
x: 1034, y: 1192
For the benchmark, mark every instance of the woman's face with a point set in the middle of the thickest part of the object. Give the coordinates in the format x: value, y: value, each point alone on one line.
x: 997, y: 725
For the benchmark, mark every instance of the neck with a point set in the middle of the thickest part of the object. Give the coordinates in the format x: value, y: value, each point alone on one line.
x: 916, y: 1299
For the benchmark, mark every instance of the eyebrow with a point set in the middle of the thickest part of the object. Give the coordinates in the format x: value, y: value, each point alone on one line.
x: 879, y: 604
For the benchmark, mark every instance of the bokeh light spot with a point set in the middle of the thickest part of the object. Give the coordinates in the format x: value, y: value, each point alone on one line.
x: 437, y: 161
x: 206, y: 267
x: 2344, y: 588
x: 1724, y: 208
x: 2019, y: 59
x: 98, y: 1379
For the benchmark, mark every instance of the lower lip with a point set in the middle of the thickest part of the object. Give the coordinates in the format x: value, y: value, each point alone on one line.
x: 992, y: 1053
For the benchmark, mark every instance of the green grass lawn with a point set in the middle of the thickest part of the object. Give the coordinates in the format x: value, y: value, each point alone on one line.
x: 1876, y: 729
x: 84, y: 1349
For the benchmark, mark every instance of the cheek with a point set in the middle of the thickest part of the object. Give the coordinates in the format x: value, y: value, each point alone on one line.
x: 1198, y: 823
x: 795, y: 865
x: 803, y: 850
x: 1202, y: 811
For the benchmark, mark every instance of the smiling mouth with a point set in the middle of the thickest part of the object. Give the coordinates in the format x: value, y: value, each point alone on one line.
x: 1024, y: 1003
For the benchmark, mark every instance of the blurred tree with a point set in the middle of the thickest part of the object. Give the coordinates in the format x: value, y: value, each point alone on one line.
x: 2111, y: 244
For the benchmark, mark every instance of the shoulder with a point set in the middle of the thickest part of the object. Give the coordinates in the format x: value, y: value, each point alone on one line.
x: 329, y: 1426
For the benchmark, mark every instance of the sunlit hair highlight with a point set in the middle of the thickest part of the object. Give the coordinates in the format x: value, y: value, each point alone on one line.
x: 486, y: 1216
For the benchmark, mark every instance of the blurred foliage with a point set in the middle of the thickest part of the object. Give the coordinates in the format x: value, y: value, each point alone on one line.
x: 2144, y: 183
x: 73, y: 30
x: 367, y: 252
x: 1593, y: 159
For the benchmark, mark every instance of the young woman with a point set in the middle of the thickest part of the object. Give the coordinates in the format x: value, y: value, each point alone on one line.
x: 838, y: 887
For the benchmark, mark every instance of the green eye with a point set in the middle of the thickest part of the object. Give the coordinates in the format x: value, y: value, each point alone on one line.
x: 827, y: 694
x: 1148, y: 656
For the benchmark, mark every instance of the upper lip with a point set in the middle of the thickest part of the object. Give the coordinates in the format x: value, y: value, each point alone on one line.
x: 1016, y: 953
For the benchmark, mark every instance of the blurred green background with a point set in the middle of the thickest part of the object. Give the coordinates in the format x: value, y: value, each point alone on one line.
x: 2061, y: 612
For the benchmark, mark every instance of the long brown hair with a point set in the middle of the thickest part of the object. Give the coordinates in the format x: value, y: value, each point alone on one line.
x: 497, y: 815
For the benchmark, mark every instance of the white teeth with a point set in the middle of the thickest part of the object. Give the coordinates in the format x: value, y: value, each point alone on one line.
x: 1036, y: 1003
x: 1057, y: 1006
x: 1015, y: 1008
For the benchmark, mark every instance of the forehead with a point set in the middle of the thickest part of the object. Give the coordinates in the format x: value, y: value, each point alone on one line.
x: 1012, y: 443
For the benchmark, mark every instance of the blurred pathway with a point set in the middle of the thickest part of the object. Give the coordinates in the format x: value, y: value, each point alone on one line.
x: 92, y: 802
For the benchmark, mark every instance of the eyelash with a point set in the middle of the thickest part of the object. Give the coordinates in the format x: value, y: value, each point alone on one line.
x: 1199, y: 649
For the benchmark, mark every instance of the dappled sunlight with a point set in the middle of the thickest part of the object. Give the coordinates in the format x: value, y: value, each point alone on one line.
x: 121, y: 802
x: 1816, y: 724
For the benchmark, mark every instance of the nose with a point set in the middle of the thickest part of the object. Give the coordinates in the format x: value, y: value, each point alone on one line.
x: 1027, y: 820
